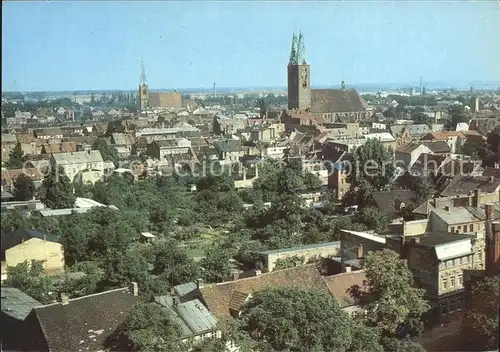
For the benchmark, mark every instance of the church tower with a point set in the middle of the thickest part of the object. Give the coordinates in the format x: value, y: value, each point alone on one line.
x: 143, y: 90
x: 299, y: 79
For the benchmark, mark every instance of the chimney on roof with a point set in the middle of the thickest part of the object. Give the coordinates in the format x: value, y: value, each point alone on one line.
x: 134, y: 288
x: 476, y: 199
x: 359, y: 251
x: 64, y: 298
x: 447, y: 207
x: 258, y: 272
x: 488, y: 210
x: 199, y: 282
x: 492, y: 248
x: 347, y: 269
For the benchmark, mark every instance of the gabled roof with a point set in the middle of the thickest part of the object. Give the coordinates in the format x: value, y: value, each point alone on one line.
x: 439, y: 147
x: 217, y: 297
x: 408, y: 148
x: 463, y: 184
x: 49, y: 131
x: 122, y: 139
x: 227, y: 146
x: 92, y: 156
x: 390, y: 201
x: 443, y: 135
x: 340, y: 284
x: 16, y: 303
x: 414, y: 130
x: 14, y: 238
x: 84, y: 323
x: 8, y: 139
x: 336, y: 100
x: 192, y: 316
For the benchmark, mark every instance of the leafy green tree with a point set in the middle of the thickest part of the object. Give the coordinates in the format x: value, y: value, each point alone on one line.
x: 311, y: 181
x: 392, y: 344
x: 216, y: 265
x: 84, y: 279
x: 364, y: 339
x: 13, y: 220
x: 108, y: 152
x: 173, y: 263
x: 291, y: 319
x: 372, y: 169
x: 421, y: 118
x: 129, y: 266
x: 56, y: 191
x: 374, y: 219
x: 489, y: 150
x: 24, y: 188
x: 287, y: 263
x: 458, y: 114
x: 392, y: 303
x: 30, y: 278
x: 481, y: 319
x: 16, y: 157
x: 146, y: 328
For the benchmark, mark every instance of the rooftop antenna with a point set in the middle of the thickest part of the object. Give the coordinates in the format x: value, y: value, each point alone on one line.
x: 421, y: 85
x: 215, y: 92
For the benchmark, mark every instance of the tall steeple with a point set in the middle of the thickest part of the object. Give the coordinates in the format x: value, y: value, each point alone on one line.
x: 299, y: 81
x: 143, y: 90
x: 301, y: 50
x: 293, y: 53
x: 143, y: 74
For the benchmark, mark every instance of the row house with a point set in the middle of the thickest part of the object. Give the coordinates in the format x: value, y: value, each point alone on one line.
x: 454, y: 139
x: 48, y: 133
x: 160, y: 149
x: 84, y: 167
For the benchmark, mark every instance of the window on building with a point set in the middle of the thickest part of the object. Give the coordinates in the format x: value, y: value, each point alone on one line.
x: 471, y: 228
x: 460, y: 280
x: 452, y: 281
x: 445, y: 283
x: 480, y: 255
x: 459, y: 228
x: 455, y: 262
x: 451, y: 307
x: 452, y: 229
x: 444, y: 309
x: 460, y: 305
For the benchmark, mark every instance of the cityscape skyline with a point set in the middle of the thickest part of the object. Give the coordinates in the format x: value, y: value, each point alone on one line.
x: 102, y: 45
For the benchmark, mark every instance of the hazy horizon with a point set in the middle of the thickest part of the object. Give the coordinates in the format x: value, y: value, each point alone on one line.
x: 84, y: 46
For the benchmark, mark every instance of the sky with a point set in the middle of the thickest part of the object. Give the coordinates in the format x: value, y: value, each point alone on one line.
x: 99, y: 45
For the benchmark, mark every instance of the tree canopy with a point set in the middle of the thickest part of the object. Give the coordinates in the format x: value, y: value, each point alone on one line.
x: 393, y: 305
x: 24, y: 187
x: 481, y: 319
x: 302, y: 320
x: 372, y: 169
x: 56, y: 191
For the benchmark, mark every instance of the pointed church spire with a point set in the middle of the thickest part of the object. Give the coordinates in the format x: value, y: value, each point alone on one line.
x: 301, y: 50
x: 293, y: 52
x: 143, y: 74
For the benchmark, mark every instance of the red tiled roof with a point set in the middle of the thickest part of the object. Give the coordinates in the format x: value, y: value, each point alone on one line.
x: 8, y: 176
x: 340, y: 285
x: 443, y: 135
x: 217, y: 297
